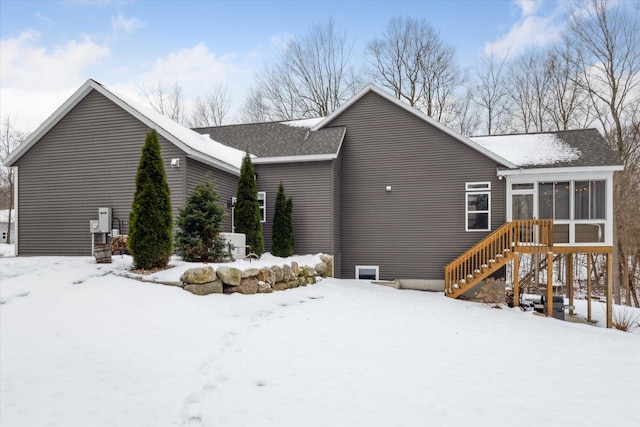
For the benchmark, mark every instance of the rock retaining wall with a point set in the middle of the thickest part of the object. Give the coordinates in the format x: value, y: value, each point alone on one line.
x: 227, y: 279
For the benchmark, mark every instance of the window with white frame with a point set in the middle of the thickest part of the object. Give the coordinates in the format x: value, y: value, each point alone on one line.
x: 262, y: 201
x: 478, y: 206
x: 367, y: 272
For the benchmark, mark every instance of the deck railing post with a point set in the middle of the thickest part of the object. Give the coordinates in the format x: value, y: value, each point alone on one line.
x: 549, y: 284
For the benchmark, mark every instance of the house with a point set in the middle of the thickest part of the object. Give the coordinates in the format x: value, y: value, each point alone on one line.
x: 390, y: 192
x: 4, y: 226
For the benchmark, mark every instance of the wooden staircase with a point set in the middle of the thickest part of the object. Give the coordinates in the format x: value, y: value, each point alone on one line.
x: 494, y: 251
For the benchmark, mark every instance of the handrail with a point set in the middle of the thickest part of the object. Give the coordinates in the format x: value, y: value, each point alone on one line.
x: 536, y: 235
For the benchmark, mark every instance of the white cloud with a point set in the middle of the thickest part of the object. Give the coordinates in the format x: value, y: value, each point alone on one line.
x: 120, y: 23
x: 528, y: 7
x: 35, y: 80
x: 533, y: 28
x: 280, y: 40
x: 193, y: 68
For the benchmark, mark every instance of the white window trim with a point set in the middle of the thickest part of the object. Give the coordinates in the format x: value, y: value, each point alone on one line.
x: 474, y: 191
x: 263, y: 195
x: 477, y: 186
x: 368, y: 267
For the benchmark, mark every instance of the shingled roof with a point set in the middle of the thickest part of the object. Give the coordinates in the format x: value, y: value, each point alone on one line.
x: 279, y: 139
x: 571, y: 148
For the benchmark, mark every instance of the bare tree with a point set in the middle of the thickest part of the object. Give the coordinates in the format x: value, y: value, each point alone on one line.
x: 312, y: 77
x: 166, y: 99
x: 604, y: 39
x: 464, y: 116
x: 568, y: 105
x: 210, y: 109
x: 490, y: 93
x: 413, y: 61
x: 528, y: 79
x: 10, y: 138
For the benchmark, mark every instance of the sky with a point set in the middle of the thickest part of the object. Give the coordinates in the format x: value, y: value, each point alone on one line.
x: 50, y: 48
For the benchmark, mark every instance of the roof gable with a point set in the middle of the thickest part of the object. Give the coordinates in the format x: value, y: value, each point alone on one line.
x: 372, y: 88
x: 195, y: 145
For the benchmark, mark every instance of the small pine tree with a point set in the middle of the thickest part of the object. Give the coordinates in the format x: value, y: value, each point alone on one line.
x: 200, y: 225
x: 291, y: 239
x: 150, y: 222
x: 280, y: 245
x: 247, y: 209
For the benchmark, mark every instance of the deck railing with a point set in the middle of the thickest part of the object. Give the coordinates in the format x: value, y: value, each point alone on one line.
x: 533, y: 236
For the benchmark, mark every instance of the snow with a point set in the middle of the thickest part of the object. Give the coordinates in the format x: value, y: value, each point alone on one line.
x: 529, y: 150
x: 4, y: 215
x: 81, y: 345
x: 194, y: 140
x: 304, y: 123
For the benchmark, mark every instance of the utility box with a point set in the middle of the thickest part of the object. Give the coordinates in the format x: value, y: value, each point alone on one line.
x: 104, y: 220
x: 236, y: 244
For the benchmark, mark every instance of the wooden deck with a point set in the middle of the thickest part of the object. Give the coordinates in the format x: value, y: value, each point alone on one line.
x: 505, y: 245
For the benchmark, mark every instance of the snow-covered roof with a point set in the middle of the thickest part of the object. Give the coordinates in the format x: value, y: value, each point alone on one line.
x: 194, y: 144
x: 304, y: 123
x: 530, y: 149
x: 197, y: 141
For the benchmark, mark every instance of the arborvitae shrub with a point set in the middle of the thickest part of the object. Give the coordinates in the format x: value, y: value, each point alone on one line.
x: 290, y: 240
x: 200, y: 222
x: 150, y: 222
x: 247, y: 209
x: 280, y: 245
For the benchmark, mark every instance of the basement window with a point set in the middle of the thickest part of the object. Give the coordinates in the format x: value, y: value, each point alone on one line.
x: 367, y: 272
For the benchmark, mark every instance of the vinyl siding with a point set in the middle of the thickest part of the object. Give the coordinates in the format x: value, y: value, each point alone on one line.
x: 225, y: 184
x: 417, y: 228
x: 336, y: 211
x: 309, y: 184
x: 88, y: 160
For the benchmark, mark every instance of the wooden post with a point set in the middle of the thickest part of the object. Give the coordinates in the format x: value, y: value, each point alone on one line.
x: 589, y: 287
x: 549, y: 284
x: 609, y: 290
x: 516, y: 279
x: 569, y: 267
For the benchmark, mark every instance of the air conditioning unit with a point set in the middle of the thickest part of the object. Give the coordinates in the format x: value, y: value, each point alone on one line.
x: 236, y: 243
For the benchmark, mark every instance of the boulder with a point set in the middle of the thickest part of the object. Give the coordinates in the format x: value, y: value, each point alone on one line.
x: 327, y: 259
x: 264, y: 288
x: 322, y: 268
x: 279, y: 286
x: 196, y: 276
x: 308, y: 271
x: 230, y: 276
x: 287, y: 273
x: 205, y: 288
x: 266, y: 275
x: 277, y: 271
x: 247, y: 286
x: 250, y: 272
x: 295, y: 268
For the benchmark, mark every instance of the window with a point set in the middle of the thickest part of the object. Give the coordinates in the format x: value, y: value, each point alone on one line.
x: 262, y: 201
x: 589, y: 199
x: 553, y: 200
x: 478, y: 206
x: 367, y: 272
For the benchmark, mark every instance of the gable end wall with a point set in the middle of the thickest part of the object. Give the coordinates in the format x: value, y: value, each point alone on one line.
x: 418, y: 227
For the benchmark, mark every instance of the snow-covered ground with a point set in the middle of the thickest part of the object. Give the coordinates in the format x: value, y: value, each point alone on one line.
x: 83, y: 346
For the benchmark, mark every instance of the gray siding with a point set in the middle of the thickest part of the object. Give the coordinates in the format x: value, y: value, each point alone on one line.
x: 417, y: 228
x: 225, y: 184
x: 88, y: 160
x: 309, y: 184
x: 336, y: 211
